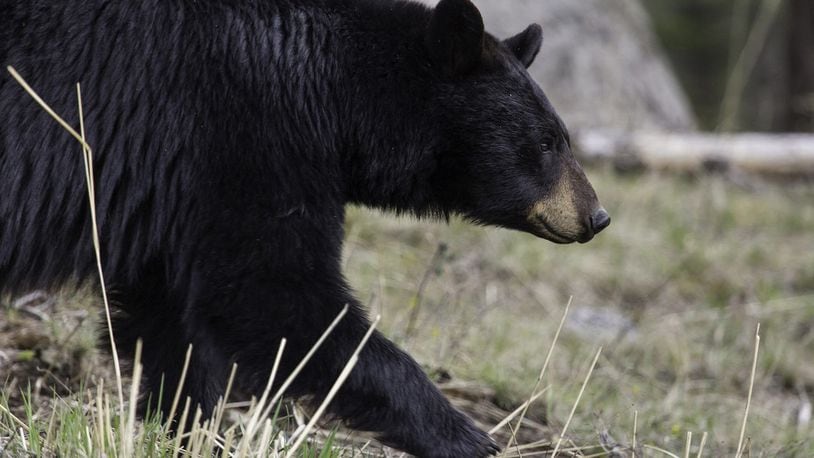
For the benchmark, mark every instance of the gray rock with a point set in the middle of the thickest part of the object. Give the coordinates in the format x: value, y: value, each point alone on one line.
x: 600, y: 65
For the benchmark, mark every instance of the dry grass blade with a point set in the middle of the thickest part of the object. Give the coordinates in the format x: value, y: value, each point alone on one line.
x: 635, y: 427
x: 195, y: 437
x: 13, y: 417
x: 701, y: 445
x: 688, y: 445
x: 334, y: 389
x: 99, y: 424
x: 749, y: 396
x: 129, y: 432
x: 181, y: 426
x: 88, y: 162
x: 542, y: 373
x: 227, y: 443
x: 288, y: 381
x: 177, y: 397
x: 265, y: 438
x: 45, y: 106
x: 256, y: 419
x: 87, y: 155
x: 517, y: 411
x: 576, y: 403
x: 660, y: 450
x: 22, y: 440
x: 220, y: 408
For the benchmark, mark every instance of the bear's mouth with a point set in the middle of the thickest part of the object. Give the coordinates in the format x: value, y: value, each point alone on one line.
x: 544, y: 230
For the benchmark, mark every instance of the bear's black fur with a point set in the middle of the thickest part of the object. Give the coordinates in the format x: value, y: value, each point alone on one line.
x: 228, y: 138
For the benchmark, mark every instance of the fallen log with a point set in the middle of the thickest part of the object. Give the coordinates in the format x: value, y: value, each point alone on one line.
x: 761, y: 153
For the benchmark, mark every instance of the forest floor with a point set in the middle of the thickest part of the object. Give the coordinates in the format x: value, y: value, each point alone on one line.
x: 672, y: 292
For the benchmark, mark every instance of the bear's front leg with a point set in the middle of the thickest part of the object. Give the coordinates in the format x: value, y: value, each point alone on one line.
x: 266, y: 279
x: 388, y: 393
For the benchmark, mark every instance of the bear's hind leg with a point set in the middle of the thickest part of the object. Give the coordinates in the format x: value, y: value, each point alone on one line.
x: 165, y: 341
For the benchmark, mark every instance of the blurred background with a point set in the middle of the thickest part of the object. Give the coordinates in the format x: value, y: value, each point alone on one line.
x: 694, y: 119
x: 719, y: 65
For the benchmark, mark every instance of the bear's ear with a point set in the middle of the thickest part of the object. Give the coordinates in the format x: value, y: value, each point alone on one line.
x: 526, y: 44
x: 455, y: 36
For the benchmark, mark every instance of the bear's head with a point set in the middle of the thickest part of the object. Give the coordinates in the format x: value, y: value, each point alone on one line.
x: 506, y: 153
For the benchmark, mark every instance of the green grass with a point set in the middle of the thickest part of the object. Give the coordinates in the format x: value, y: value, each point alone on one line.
x: 672, y: 290
x: 81, y: 421
x: 80, y: 427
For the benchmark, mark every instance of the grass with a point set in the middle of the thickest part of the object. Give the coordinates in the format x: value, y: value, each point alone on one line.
x: 91, y: 427
x: 89, y: 422
x: 672, y: 291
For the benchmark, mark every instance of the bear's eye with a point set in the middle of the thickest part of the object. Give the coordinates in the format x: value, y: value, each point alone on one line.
x: 544, y: 148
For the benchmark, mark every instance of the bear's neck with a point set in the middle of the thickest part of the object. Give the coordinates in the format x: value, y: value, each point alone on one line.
x: 343, y: 85
x: 350, y: 77
x: 389, y: 161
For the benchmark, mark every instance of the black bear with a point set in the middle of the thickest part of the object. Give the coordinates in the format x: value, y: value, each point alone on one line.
x: 229, y: 136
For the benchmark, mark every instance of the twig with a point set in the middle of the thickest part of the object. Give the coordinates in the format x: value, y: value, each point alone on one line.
x: 415, y: 306
x: 746, y: 62
x: 749, y: 397
x: 576, y: 403
x: 513, y: 436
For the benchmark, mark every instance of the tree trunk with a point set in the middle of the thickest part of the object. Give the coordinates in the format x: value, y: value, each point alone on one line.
x: 801, y: 66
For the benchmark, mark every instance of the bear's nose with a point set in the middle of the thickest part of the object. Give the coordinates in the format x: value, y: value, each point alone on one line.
x: 600, y: 220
